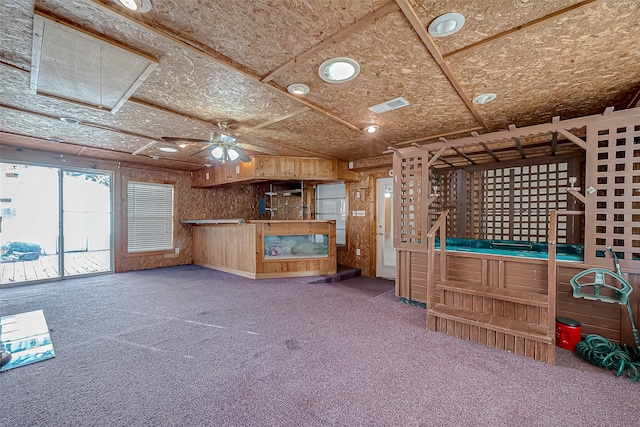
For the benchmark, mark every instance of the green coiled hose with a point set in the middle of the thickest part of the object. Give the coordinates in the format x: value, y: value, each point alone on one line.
x: 601, y: 352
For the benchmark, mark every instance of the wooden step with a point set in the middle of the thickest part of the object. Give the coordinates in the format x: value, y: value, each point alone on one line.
x: 503, y: 325
x: 519, y: 297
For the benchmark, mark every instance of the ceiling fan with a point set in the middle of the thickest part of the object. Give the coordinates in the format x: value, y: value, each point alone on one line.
x: 224, y: 147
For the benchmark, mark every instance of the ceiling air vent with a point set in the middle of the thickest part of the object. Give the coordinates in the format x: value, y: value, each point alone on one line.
x: 389, y: 105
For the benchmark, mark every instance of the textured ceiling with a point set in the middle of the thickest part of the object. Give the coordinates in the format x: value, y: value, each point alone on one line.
x: 232, y: 61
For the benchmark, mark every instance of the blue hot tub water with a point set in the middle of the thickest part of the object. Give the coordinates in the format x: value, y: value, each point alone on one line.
x: 564, y: 252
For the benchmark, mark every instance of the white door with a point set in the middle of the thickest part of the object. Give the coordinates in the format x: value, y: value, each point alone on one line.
x: 386, y: 263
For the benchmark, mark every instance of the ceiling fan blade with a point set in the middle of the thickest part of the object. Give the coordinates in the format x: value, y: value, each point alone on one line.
x: 259, y: 149
x: 193, y: 140
x: 210, y: 145
x: 243, y: 156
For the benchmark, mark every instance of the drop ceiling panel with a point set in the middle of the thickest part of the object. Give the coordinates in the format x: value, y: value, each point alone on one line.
x: 393, y: 63
x: 192, y: 85
x: 485, y: 18
x: 71, y: 64
x: 569, y: 67
x: 258, y: 35
x: 132, y: 119
x: 331, y: 138
x: 16, y: 30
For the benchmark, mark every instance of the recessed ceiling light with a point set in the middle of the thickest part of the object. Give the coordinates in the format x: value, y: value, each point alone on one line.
x: 371, y: 128
x: 298, y: 89
x: 484, y: 98
x: 338, y: 70
x: 70, y: 120
x: 140, y: 6
x: 168, y: 149
x: 446, y: 24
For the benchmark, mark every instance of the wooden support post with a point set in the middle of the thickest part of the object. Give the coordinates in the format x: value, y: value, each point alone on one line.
x: 551, y: 286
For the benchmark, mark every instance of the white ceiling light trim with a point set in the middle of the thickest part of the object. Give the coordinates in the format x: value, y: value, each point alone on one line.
x: 339, y: 70
x: 168, y: 149
x: 298, y: 89
x: 140, y: 6
x: 484, y: 98
x: 371, y: 128
x: 446, y: 24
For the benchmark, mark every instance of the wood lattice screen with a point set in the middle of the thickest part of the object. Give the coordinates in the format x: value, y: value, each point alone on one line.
x: 517, y: 201
x: 509, y: 202
x: 613, y: 170
x: 412, y: 180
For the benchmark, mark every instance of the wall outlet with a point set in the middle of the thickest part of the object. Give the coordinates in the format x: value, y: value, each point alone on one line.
x: 206, y: 175
x: 177, y: 250
x: 358, y: 252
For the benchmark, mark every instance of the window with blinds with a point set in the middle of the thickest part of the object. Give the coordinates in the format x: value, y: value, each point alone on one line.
x: 150, y: 216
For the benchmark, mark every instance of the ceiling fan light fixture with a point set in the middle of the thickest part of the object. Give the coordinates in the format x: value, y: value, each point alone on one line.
x: 484, y: 98
x: 233, y: 154
x: 371, y: 128
x: 217, y: 153
x: 140, y: 6
x: 339, y: 70
x: 298, y: 89
x: 446, y: 24
x: 70, y: 120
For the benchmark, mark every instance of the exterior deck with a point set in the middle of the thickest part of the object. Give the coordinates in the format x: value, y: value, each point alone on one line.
x: 46, y: 267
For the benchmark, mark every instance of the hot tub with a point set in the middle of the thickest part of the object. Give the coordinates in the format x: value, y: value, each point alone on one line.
x: 515, y: 248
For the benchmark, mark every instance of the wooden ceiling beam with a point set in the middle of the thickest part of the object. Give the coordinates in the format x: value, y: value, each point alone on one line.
x: 439, y: 135
x: 415, y: 22
x: 78, y: 150
x: 340, y: 35
x: 276, y: 120
x: 489, y: 151
x: 520, y: 27
x: 467, y: 158
x: 519, y: 147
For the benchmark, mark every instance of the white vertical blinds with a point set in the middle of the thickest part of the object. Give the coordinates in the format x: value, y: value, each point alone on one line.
x: 150, y: 216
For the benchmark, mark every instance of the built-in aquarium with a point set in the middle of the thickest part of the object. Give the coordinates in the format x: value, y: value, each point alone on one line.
x: 296, y: 246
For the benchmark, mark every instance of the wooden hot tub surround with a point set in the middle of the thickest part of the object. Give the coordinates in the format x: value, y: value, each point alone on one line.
x: 489, y: 299
x: 511, y: 302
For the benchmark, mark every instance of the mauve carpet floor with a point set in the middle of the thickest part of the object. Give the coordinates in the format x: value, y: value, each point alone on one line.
x: 189, y: 346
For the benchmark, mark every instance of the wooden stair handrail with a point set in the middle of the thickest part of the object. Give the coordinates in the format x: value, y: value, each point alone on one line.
x: 552, y: 272
x: 431, y: 247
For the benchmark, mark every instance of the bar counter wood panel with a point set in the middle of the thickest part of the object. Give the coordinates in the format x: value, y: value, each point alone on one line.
x: 225, y: 247
x: 239, y: 248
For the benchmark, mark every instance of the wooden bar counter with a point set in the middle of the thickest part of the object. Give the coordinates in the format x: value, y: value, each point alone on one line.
x: 265, y: 249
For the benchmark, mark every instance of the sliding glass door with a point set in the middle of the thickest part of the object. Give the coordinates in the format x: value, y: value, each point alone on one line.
x: 54, y: 222
x: 30, y: 225
x: 86, y: 205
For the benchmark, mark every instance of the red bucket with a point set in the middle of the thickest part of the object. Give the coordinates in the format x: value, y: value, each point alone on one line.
x: 567, y: 333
